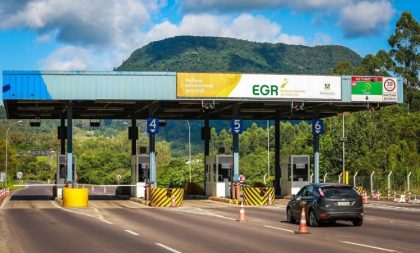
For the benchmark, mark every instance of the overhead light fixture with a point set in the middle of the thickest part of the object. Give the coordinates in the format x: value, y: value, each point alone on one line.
x: 95, y: 123
x: 36, y: 123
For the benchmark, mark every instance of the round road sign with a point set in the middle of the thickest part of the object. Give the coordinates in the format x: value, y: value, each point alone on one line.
x: 389, y: 85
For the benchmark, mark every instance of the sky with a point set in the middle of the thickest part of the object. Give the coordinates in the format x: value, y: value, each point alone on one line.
x: 101, y: 34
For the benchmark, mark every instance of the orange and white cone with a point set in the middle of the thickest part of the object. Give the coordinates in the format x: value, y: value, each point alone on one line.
x: 173, y: 203
x: 242, y: 212
x: 303, y: 229
x: 270, y: 201
x: 365, y: 198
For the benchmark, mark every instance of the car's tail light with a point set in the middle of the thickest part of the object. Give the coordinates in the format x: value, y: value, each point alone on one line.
x: 321, y: 193
x: 323, y: 214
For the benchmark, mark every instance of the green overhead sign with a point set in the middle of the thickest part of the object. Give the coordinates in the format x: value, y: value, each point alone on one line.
x: 376, y: 88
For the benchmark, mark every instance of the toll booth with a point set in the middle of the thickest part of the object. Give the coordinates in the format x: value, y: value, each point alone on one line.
x: 61, y: 174
x: 297, y: 174
x: 219, y: 174
x: 140, y: 175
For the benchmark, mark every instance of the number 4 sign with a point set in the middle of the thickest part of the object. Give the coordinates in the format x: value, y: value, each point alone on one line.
x: 152, y: 125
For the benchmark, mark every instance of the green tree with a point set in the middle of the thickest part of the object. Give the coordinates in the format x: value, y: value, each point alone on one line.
x: 405, y: 46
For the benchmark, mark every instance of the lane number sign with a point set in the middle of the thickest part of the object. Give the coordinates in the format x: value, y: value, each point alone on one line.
x: 152, y: 125
x: 317, y: 126
x: 236, y: 126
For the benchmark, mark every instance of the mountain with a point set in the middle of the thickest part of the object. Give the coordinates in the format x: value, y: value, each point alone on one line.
x: 214, y: 54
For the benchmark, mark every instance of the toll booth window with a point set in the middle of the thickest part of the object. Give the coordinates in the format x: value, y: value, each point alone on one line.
x: 223, y: 173
x: 300, y: 173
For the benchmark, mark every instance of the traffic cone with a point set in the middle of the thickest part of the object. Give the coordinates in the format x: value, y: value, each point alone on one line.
x: 303, y: 229
x: 270, y: 201
x: 173, y: 203
x: 242, y: 212
x: 365, y: 198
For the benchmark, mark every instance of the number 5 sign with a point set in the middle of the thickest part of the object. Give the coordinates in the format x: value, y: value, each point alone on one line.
x: 152, y: 125
x: 317, y: 126
x: 236, y: 125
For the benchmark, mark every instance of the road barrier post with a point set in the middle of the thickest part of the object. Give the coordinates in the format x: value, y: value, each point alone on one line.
x: 238, y: 191
x: 242, y: 212
x: 408, y: 182
x: 371, y: 182
x: 147, y: 194
x: 354, y: 179
x: 233, y: 190
x: 389, y: 184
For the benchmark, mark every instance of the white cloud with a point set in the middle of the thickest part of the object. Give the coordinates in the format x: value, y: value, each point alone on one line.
x: 107, y: 31
x: 245, y: 26
x: 94, y: 22
x: 365, y: 18
x: 68, y: 58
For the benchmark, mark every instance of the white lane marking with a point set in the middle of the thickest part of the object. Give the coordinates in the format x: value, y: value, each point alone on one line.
x: 369, y: 246
x: 282, y: 229
x: 85, y: 214
x: 369, y: 218
x: 107, y: 222
x: 391, y: 221
x: 168, y: 248
x: 200, y: 211
x: 131, y: 232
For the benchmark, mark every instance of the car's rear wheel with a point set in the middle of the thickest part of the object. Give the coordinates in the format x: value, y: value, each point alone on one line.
x: 358, y: 222
x: 313, y: 221
x: 289, y: 215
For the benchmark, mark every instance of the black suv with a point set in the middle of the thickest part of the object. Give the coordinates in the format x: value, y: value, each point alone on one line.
x: 326, y: 203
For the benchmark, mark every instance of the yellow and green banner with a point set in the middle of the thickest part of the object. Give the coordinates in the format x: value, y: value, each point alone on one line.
x: 258, y: 86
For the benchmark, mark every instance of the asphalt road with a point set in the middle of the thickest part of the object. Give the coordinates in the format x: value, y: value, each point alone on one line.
x: 41, y: 225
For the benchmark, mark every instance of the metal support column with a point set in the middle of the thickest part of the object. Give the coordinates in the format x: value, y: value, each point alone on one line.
x: 235, y: 157
x: 235, y: 148
x: 62, y: 134
x: 133, y: 135
x: 134, y: 175
x: 206, y: 148
x: 316, y: 158
x: 277, y: 169
x: 152, y: 158
x: 70, y: 179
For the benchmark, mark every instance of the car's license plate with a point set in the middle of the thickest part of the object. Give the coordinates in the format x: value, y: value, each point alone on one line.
x: 343, y: 203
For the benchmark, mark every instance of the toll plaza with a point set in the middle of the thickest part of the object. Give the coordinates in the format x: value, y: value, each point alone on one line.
x: 157, y: 96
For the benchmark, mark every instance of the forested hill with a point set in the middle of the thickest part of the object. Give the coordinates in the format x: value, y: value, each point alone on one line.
x: 215, y: 54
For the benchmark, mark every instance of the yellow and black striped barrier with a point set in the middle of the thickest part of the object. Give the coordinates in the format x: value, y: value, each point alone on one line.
x: 258, y: 196
x: 360, y: 189
x: 162, y: 197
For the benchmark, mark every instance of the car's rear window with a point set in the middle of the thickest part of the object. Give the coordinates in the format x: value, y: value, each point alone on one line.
x: 339, y: 191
